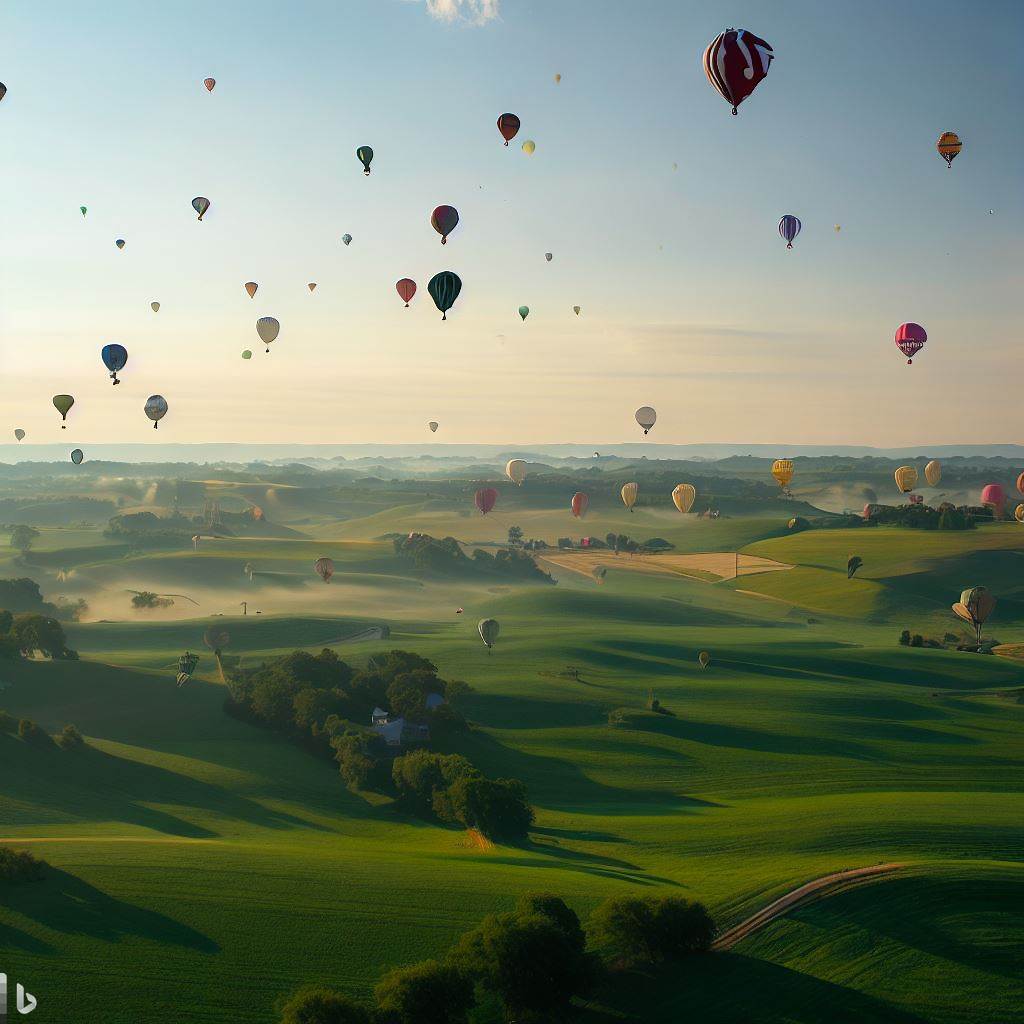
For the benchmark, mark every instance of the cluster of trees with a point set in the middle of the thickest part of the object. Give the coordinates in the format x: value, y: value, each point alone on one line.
x: 620, y: 542
x: 23, y: 635
x: 532, y: 961
x: 23, y: 595
x: 445, y: 556
x: 69, y: 738
x: 148, y: 529
x: 21, y: 866
x: 924, y: 517
x: 447, y: 788
x: 908, y: 639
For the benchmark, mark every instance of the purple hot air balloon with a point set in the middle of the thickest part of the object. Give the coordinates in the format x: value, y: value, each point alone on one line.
x: 910, y: 339
x: 789, y: 228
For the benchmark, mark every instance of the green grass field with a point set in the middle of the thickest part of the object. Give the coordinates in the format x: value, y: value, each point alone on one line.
x: 223, y: 866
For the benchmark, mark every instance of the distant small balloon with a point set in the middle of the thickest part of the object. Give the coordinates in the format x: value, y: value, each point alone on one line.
x: 19, y: 433
x: 837, y: 229
x: 365, y: 156
x: 76, y: 456
x: 406, y: 288
x: 156, y: 409
x: 3, y: 90
x: 268, y: 328
x: 200, y: 204
x: 84, y: 210
x: 548, y: 256
x: 576, y: 309
x: 63, y: 403
x: 347, y: 239
x: 508, y: 125
x: 155, y: 306
x: 311, y: 286
x: 433, y: 426
x: 646, y: 417
x: 558, y: 78
x: 250, y: 287
x: 209, y: 83
x: 114, y: 359
x: 529, y: 147
x: 444, y: 220
x: 247, y: 354
x: 524, y: 311
x: 119, y: 243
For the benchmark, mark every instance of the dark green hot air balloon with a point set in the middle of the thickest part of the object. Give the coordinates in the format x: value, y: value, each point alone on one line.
x: 853, y: 565
x: 365, y: 155
x: 488, y: 630
x: 444, y: 289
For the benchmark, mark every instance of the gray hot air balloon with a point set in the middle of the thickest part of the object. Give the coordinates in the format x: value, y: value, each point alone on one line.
x: 432, y: 424
x: 200, y: 204
x: 346, y: 238
x: 77, y: 455
x: 19, y: 433
x: 156, y: 409
x: 268, y: 329
x: 488, y: 630
x: 646, y: 417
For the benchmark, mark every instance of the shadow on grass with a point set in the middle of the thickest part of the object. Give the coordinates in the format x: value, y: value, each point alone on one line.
x: 68, y: 904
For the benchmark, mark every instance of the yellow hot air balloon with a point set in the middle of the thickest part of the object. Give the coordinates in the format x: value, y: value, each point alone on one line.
x: 933, y: 473
x: 515, y: 470
x: 906, y: 478
x: 782, y: 470
x: 629, y: 495
x: 529, y: 146
x: 1018, y: 513
x: 683, y: 496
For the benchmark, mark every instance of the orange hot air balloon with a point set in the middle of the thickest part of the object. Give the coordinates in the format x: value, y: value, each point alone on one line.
x: 906, y: 478
x: 209, y: 83
x: 1020, y: 483
x: 949, y: 146
x: 250, y: 287
x: 579, y: 504
x: 782, y: 470
x: 406, y: 288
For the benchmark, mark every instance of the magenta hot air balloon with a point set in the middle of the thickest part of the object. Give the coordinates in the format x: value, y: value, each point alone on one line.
x: 910, y: 339
x: 994, y: 495
x: 485, y: 499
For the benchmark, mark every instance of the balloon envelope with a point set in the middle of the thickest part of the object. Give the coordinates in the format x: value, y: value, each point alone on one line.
x: 515, y: 470
x: 628, y: 493
x: 852, y: 565
x: 119, y: 243
x: 529, y: 147
x: 200, y: 204
x: 250, y: 287
x: 84, y: 210
x: 646, y: 417
x: 311, y: 286
x: 906, y: 478
x: 704, y: 659
x: 579, y: 504
x: 209, y: 83
x: 324, y: 569
x: 910, y: 339
x: 19, y: 433
x: 576, y: 309
x: 347, y: 238
x: 488, y: 630
x: 508, y: 125
x: 114, y: 358
x: 76, y: 456
x: 247, y: 354
x: 444, y: 289
x: 406, y: 289
x: 485, y: 499
x: 933, y: 473
x: 444, y: 220
x: 156, y: 409
x: 782, y: 470
x: 1020, y: 483
x: 549, y: 256
x: 735, y: 63
x: 524, y: 311
x: 63, y: 403
x: 949, y: 146
x: 789, y: 228
x: 683, y: 496
x: 994, y: 495
x: 365, y: 156
x: 268, y: 329
x: 1018, y: 512
x: 155, y: 306
x: 433, y: 426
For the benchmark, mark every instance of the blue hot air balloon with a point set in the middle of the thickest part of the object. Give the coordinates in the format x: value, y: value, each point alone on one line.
x: 789, y: 228
x: 114, y: 358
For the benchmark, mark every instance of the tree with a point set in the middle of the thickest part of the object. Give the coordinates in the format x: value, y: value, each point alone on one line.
x: 905, y: 638
x: 515, y: 536
x: 69, y: 738
x: 529, y: 961
x: 611, y: 539
x: 425, y: 993
x: 32, y: 733
x: 497, y: 807
x: 41, y: 633
x: 423, y: 777
x: 407, y: 694
x: 323, y: 1006
x: 651, y: 929
x: 6, y: 621
x: 555, y: 909
x: 22, y: 537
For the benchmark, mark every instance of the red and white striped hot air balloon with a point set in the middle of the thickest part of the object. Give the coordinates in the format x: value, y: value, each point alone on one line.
x: 735, y: 62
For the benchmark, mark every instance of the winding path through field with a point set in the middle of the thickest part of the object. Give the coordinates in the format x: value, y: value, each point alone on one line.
x: 810, y: 891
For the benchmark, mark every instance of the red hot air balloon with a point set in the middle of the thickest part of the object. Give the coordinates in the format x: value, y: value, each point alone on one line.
x: 735, y: 62
x: 406, y: 288
x: 910, y: 339
x: 579, y: 504
x: 485, y: 499
x: 508, y: 125
x: 444, y: 219
x: 994, y: 495
x: 209, y: 83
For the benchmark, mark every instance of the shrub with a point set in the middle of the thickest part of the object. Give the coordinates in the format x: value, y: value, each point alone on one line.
x: 425, y: 993
x: 917, y: 640
x: 69, y: 738
x: 323, y: 1006
x: 31, y: 733
x: 651, y: 929
x: 20, y: 866
x: 905, y: 638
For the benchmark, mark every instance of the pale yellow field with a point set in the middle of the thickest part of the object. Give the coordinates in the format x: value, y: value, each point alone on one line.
x: 709, y: 566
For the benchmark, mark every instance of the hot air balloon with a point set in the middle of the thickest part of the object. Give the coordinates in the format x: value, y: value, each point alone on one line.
x: 84, y: 210
x: 3, y: 90
x: 576, y: 309
x: 444, y: 289
x: 406, y: 289
x: 1020, y: 483
x: 187, y: 663
x: 549, y: 256
x: 782, y: 470
x: 250, y: 287
x: 683, y: 496
x: 1018, y: 512
x: 789, y: 228
x: 155, y: 306
x: 524, y: 311
x: 114, y: 357
x: 200, y: 204
x: 63, y: 403
x: 704, y: 659
x: 933, y: 473
x: 529, y: 147
x: 268, y: 329
x: 906, y: 478
x: 852, y: 565
x: 77, y: 455
x: 311, y: 286
x: 485, y: 498
x: 836, y: 228
x: 628, y: 493
x: 346, y: 238
x: 515, y: 470
x: 119, y: 243
x: 910, y: 339
x: 433, y: 426
x: 488, y: 630
x: 558, y: 78
x: 444, y: 219
x: 216, y: 638
x: 508, y: 125
x: 324, y: 569
x: 994, y: 495
x: 19, y: 433
x: 646, y: 417
x: 365, y: 156
x: 209, y: 83
x: 949, y: 146
x: 579, y: 504
x: 976, y: 604
x: 735, y: 62
x: 247, y: 354
x: 156, y: 409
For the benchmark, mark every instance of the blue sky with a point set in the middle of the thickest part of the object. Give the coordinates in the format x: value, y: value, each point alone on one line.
x: 691, y: 302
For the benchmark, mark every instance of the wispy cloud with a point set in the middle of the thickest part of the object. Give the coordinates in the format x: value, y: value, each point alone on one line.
x: 476, y: 12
